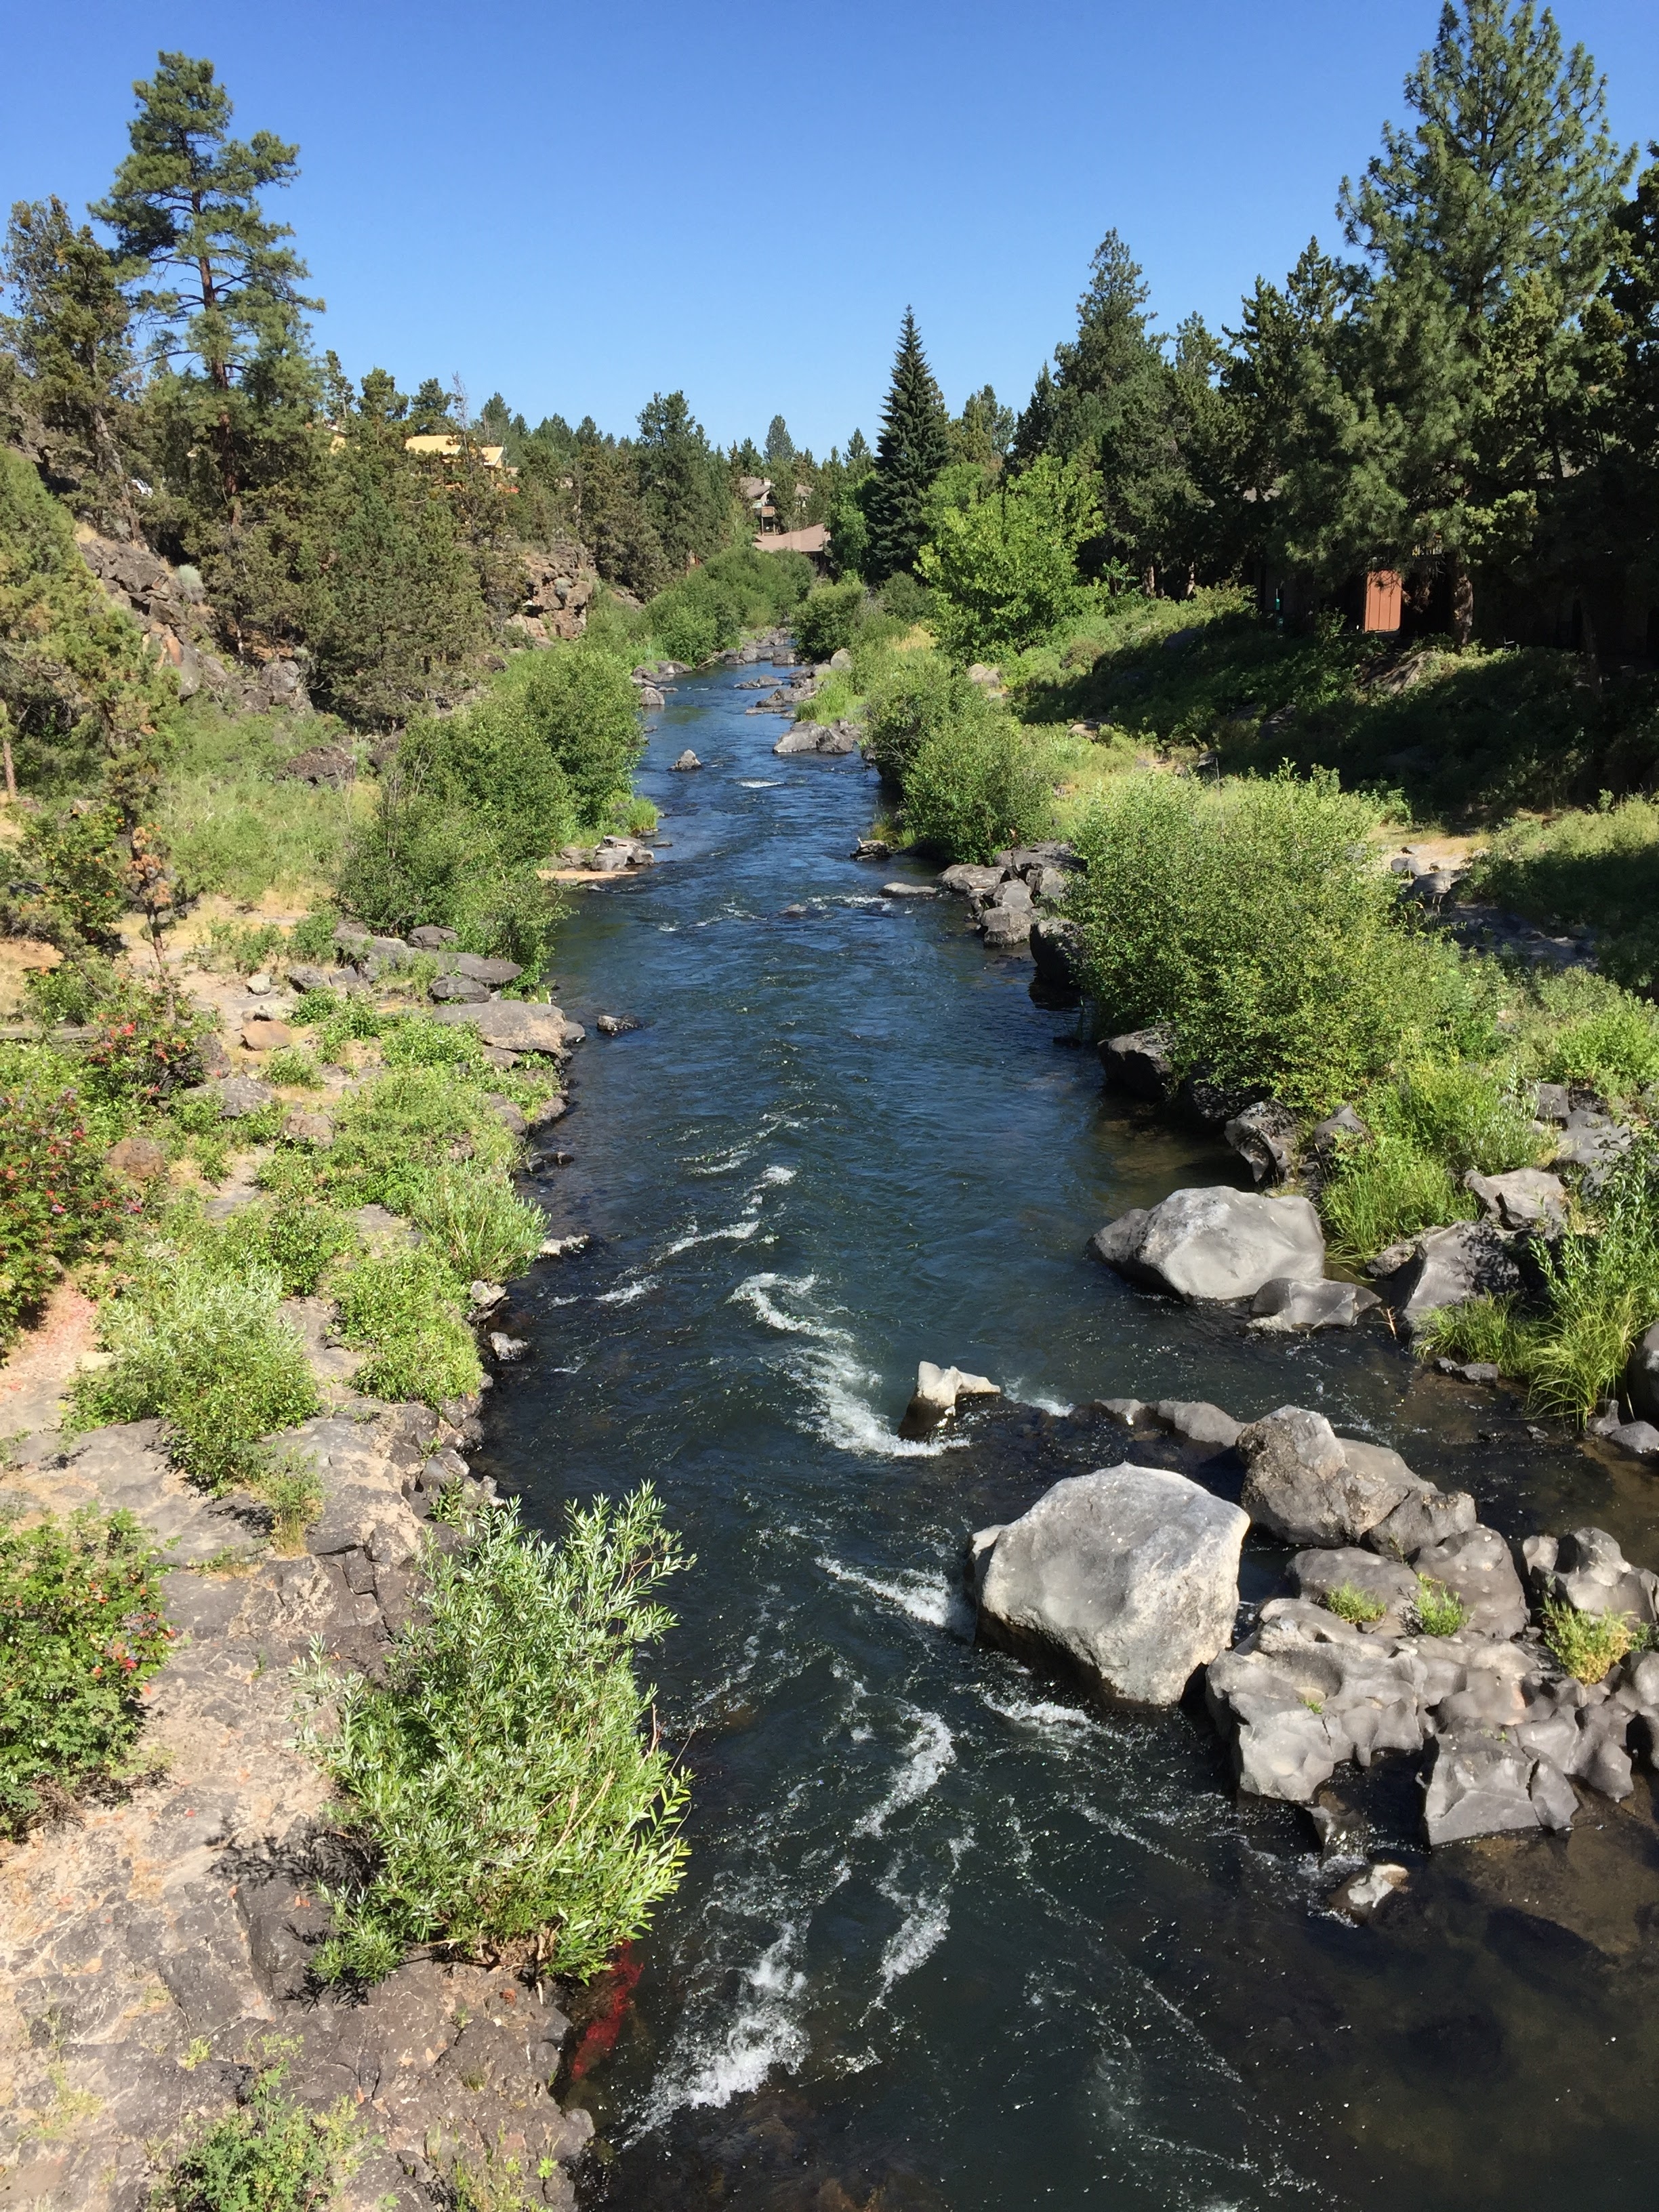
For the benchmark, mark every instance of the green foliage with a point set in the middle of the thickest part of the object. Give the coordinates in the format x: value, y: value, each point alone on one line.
x: 828, y: 619
x: 80, y: 1632
x: 915, y: 445
x: 1357, y: 1607
x: 484, y: 1231
x: 392, y: 1133
x: 416, y: 1041
x: 208, y: 1352
x: 501, y: 1776
x: 56, y: 1198
x: 76, y: 854
x: 1588, y: 1645
x: 1384, y: 1192
x: 1436, y: 1610
x: 237, y: 826
x: 269, y: 2155
x: 919, y: 696
x: 404, y: 1309
x: 1599, y: 868
x: 1004, y: 570
x: 975, y: 787
x: 1251, y: 917
x: 1430, y: 1125
x: 738, y: 589
x: 289, y: 1485
x: 578, y: 702
x: 1615, y: 1051
x: 312, y: 938
x: 289, y: 1065
x: 298, y: 1237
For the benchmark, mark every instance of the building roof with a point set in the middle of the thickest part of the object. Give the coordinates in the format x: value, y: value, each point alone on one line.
x: 815, y: 538
x: 448, y: 448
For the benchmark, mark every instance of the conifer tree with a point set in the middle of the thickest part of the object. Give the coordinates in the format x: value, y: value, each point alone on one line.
x: 915, y: 445
x: 69, y: 336
x: 223, y: 290
x: 682, y: 486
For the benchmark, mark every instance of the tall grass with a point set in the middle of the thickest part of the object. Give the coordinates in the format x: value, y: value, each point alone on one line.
x: 1430, y: 1125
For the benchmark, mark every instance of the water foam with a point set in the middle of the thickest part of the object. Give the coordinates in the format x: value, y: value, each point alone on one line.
x: 758, y: 783
x: 926, y: 1598
x: 625, y: 1293
x: 933, y: 1750
x: 826, y: 1367
x: 761, y: 2029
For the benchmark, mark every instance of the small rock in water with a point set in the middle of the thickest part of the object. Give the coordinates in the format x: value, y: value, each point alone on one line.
x: 907, y: 891
x: 560, y: 1248
x: 934, y: 1400
x: 687, y: 760
x: 507, y: 1348
x: 536, y: 1161
x: 485, y: 1295
x: 793, y: 913
x: 872, y: 848
x: 614, y: 1024
x: 1360, y: 1896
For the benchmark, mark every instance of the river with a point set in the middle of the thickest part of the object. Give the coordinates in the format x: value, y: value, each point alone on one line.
x: 949, y: 1938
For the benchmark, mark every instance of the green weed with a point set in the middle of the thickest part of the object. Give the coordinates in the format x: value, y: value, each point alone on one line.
x: 1436, y: 1611
x: 288, y: 1064
x: 1357, y: 1607
x: 484, y: 1230
x: 271, y: 2156
x: 1588, y: 1645
x: 404, y: 1309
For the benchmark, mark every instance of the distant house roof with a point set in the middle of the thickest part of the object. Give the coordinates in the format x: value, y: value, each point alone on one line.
x: 815, y: 538
x: 754, y: 486
x: 448, y: 448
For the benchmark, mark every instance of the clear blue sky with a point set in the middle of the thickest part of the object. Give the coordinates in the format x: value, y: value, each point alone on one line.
x: 582, y: 205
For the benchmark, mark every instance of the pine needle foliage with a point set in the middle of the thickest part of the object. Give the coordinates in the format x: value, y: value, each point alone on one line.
x: 506, y: 1777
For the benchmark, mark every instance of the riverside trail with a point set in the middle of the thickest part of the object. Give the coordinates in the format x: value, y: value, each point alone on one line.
x: 948, y: 1937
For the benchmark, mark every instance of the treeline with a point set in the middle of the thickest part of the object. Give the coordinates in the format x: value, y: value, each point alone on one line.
x: 1468, y: 396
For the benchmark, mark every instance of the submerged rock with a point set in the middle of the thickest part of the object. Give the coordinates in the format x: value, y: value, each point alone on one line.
x: 1214, y: 1243
x: 1282, y: 1305
x: 935, y: 1398
x: 1129, y: 1574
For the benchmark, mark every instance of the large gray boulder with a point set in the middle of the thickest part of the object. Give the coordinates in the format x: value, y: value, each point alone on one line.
x: 967, y: 877
x: 1306, y: 1485
x: 1129, y: 1574
x: 1479, y: 1784
x: 1266, y: 1137
x: 1447, y: 1268
x: 513, y: 1025
x: 1586, y: 1568
x: 1138, y: 1062
x: 1057, y: 950
x: 1306, y: 1691
x: 1426, y: 1516
x: 1525, y: 1199
x: 1214, y: 1243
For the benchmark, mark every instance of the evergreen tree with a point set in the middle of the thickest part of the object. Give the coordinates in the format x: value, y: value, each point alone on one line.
x: 69, y: 336
x: 223, y: 290
x: 984, y: 431
x: 1488, y: 225
x: 915, y: 445
x: 682, y: 481
x: 780, y: 445
x: 429, y: 413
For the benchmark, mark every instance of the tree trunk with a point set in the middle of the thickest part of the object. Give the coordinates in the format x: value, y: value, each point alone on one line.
x: 1462, y: 604
x: 5, y: 749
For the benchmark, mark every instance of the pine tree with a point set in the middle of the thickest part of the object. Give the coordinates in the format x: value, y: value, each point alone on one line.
x: 915, y: 445
x: 683, y: 484
x: 69, y: 336
x: 1488, y: 226
x: 223, y: 290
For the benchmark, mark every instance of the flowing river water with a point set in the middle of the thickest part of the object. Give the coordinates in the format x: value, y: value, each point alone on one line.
x: 948, y: 1937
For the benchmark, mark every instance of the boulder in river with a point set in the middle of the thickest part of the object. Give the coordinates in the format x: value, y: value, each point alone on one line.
x: 1447, y: 1268
x: 1006, y: 928
x: 687, y: 760
x: 936, y: 1395
x: 1479, y: 1784
x: 1057, y: 950
x: 1476, y: 1567
x: 1317, y: 1575
x: 1214, y: 1242
x: 1138, y: 1062
x: 1306, y: 1485
x: 1128, y: 1575
x: 969, y: 876
x: 1282, y: 1305
x: 901, y: 890
x: 1586, y: 1568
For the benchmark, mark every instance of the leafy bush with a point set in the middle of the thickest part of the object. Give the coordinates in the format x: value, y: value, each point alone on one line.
x: 289, y: 1483
x: 416, y: 1041
x: 269, y: 2155
x: 919, y: 697
x: 1615, y: 1052
x: 208, y: 1352
x: 242, y: 947
x: 1357, y: 1607
x: 827, y: 620
x: 1436, y: 1610
x: 1588, y: 1645
x: 56, y: 1197
x: 483, y: 1229
x: 501, y: 1778
x: 312, y: 937
x: 392, y: 1134
x: 738, y: 589
x: 1004, y: 568
x: 289, y: 1065
x: 974, y: 788
x: 80, y: 1632
x: 298, y: 1237
x: 404, y: 1309
x: 1251, y: 917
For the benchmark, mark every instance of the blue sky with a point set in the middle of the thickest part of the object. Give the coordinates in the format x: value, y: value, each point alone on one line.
x: 583, y: 205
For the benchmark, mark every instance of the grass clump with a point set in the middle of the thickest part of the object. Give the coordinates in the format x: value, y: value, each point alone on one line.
x: 270, y: 2156
x: 289, y: 1065
x: 485, y: 1228
x: 289, y: 1485
x: 206, y: 1350
x: 1436, y: 1610
x: 1357, y: 1607
x: 1588, y: 1645
x: 1252, y: 918
x: 392, y: 1134
x: 501, y: 1778
x: 236, y: 826
x: 81, y: 1632
x: 404, y: 1309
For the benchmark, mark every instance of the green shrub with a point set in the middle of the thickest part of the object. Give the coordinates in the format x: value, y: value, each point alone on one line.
x: 312, y: 938
x: 56, y: 1197
x: 1599, y: 866
x: 208, y: 1352
x: 975, y: 787
x: 484, y: 1230
x: 1004, y: 568
x: 417, y: 1041
x: 919, y: 696
x: 289, y: 1485
x: 298, y: 1237
x: 1436, y: 1610
x: 1357, y: 1607
x: 502, y: 1776
x: 827, y: 620
x: 1588, y: 1645
x: 144, y: 1047
x: 241, y: 947
x: 1251, y: 916
x: 1615, y: 1052
x: 291, y: 1066
x: 269, y: 2155
x: 404, y: 1309
x: 392, y: 1133
x: 80, y: 1633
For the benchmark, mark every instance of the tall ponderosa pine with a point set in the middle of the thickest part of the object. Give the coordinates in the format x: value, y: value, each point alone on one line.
x: 223, y: 290
x: 69, y: 336
x: 1488, y: 228
x: 682, y: 483
x: 915, y: 445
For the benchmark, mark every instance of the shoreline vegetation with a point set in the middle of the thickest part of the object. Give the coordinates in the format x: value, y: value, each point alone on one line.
x: 312, y: 689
